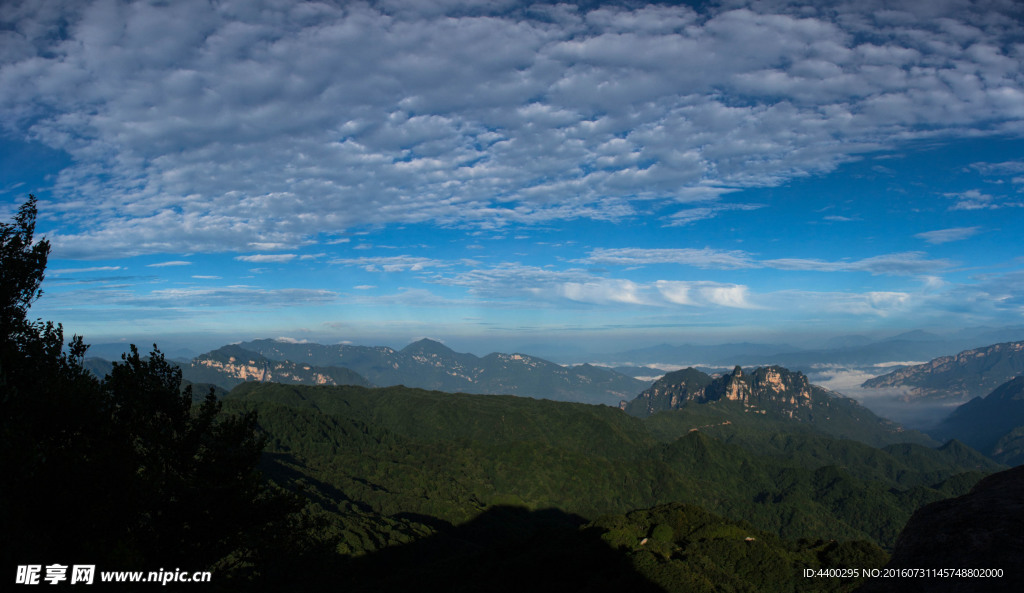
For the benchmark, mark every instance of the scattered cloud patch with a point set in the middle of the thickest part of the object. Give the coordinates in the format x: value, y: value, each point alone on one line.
x: 699, y: 258
x: 182, y: 137
x: 894, y: 264
x: 1014, y: 170
x: 400, y: 263
x: 975, y: 200
x: 692, y: 215
x: 237, y: 297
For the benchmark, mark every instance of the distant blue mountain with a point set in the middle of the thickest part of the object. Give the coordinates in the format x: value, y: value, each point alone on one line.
x: 429, y: 364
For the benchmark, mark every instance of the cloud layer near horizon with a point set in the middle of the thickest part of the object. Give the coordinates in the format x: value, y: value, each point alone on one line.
x: 222, y: 126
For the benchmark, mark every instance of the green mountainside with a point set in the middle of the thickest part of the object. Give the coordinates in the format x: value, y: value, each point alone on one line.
x: 489, y: 485
x: 969, y: 374
x: 993, y: 425
x: 428, y: 364
x: 765, y: 397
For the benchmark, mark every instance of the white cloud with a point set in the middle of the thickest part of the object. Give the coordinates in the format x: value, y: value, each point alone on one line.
x: 198, y: 127
x: 169, y: 264
x: 279, y: 258
x: 288, y: 340
x: 948, y: 235
x: 603, y: 291
x: 705, y: 293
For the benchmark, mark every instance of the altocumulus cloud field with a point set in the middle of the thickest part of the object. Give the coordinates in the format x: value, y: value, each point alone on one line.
x: 490, y: 170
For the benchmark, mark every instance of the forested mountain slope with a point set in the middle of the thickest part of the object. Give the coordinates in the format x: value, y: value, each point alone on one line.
x: 410, y: 453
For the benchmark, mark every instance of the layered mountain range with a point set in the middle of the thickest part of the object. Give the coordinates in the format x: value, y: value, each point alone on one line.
x: 969, y: 374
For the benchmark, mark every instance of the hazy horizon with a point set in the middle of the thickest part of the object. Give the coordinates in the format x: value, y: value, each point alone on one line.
x: 593, y: 177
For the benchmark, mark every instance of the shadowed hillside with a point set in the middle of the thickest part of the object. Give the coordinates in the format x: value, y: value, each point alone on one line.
x: 979, y: 530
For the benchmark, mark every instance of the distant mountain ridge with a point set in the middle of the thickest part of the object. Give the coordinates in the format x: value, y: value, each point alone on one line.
x: 969, y: 374
x: 429, y: 364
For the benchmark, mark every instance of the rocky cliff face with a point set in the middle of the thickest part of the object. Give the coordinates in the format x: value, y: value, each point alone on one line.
x: 670, y: 392
x: 231, y: 365
x: 766, y: 388
x: 969, y: 374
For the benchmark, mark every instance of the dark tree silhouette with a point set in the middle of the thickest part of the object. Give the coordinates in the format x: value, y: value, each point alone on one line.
x: 125, y: 472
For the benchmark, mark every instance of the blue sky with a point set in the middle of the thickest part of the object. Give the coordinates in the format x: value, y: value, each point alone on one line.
x: 494, y: 174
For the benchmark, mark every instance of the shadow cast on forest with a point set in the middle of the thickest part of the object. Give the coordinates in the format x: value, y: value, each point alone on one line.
x: 504, y: 549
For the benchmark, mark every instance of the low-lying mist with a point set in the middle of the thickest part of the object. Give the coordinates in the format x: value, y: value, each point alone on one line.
x: 889, y: 403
